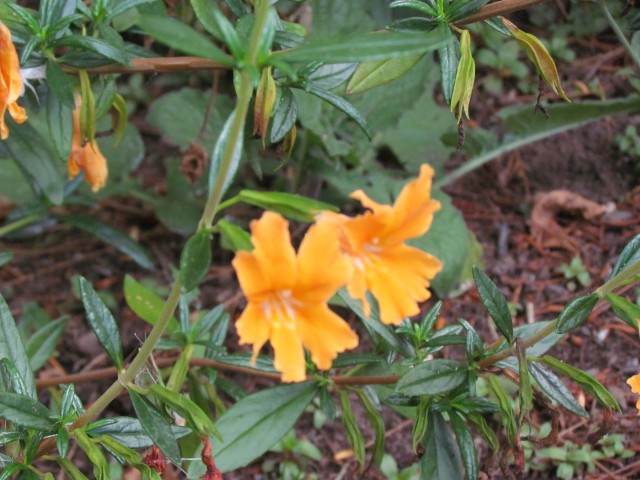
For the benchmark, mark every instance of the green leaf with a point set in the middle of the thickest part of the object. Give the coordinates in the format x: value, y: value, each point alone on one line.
x: 195, y: 260
x: 465, y: 444
x: 373, y: 324
x: 504, y: 405
x: 122, y: 7
x: 95, y: 455
x: 60, y: 84
x: 366, y: 47
x: 465, y: 77
x: 114, y: 237
x: 285, y: 114
x: 25, y: 412
x: 461, y: 9
x: 441, y: 458
x: 217, y: 24
x: 487, y: 432
x: 31, y: 151
x: 375, y: 418
x: 95, y: 45
x: 178, y: 35
x: 62, y: 441
x: 624, y: 309
x: 42, y: 343
x: 423, y: 413
x: 156, y: 426
x: 130, y: 433
x: 144, y: 303
x: 576, y: 312
x: 234, y: 237
x: 449, y: 56
x: 630, y: 254
x: 8, y: 436
x: 342, y: 105
x: 526, y: 127
x: 495, y: 303
x: 255, y: 424
x: 354, y: 435
x: 11, y: 347
x: 15, y: 379
x: 586, y: 382
x: 60, y: 123
x: 293, y: 206
x: 372, y: 74
x: 187, y: 409
x: 218, y: 152
x: 70, y: 469
x: 102, y: 322
x: 415, y: 4
x: 433, y: 377
x: 51, y: 11
x: 553, y: 387
x: 525, y: 392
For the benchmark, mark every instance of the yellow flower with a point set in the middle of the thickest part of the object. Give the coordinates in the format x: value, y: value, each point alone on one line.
x: 86, y: 156
x: 10, y: 82
x: 288, y: 293
x: 396, y: 274
x: 634, y: 383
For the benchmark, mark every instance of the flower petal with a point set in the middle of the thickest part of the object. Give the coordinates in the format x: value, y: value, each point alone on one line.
x: 253, y: 328
x: 634, y: 383
x: 273, y: 250
x: 413, y: 209
x: 251, y: 276
x: 322, y: 267
x: 288, y: 353
x: 398, y: 277
x: 324, y: 334
x: 95, y: 167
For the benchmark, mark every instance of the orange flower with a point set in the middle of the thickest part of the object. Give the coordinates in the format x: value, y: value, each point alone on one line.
x: 396, y: 274
x: 86, y: 156
x: 634, y: 383
x: 288, y: 295
x: 10, y: 82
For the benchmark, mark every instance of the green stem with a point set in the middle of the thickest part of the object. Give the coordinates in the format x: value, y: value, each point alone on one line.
x: 245, y: 92
x: 496, y: 357
x: 620, y: 34
x: 21, y: 223
x: 621, y: 278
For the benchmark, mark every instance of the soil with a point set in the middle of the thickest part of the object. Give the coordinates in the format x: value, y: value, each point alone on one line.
x: 583, y: 161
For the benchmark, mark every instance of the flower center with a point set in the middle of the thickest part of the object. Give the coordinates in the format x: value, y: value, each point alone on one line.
x: 368, y: 255
x: 279, y: 308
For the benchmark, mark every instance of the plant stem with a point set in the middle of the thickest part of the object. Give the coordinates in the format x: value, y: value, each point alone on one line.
x: 623, y: 276
x: 21, y: 223
x: 244, y: 96
x: 500, y: 8
x: 620, y: 34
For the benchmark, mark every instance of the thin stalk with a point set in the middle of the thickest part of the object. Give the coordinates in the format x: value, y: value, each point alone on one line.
x: 622, y: 277
x: 21, y: 223
x: 620, y: 34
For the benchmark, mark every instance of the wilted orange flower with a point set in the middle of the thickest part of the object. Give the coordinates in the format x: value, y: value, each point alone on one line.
x: 86, y: 156
x: 396, y: 274
x: 288, y: 295
x: 10, y: 82
x: 634, y: 383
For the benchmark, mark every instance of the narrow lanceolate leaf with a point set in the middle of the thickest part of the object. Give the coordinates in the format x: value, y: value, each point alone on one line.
x: 465, y: 444
x: 117, y: 238
x: 179, y: 35
x: 625, y: 310
x: 95, y: 45
x: 525, y: 393
x: 234, y: 237
x: 102, y: 322
x: 195, y: 260
x: 285, y: 114
x: 433, y: 377
x: 156, y: 426
x: 373, y: 74
x: 630, y: 254
x: 256, y: 423
x: 354, y: 435
x: 366, y: 47
x: 342, y: 105
x: 42, y: 344
x: 95, y: 455
x: 60, y: 84
x: 417, y: 5
x: 465, y: 77
x: 540, y: 57
x: 293, y: 206
x: 59, y: 121
x: 461, y: 9
x: 11, y: 347
x: 70, y: 469
x: 265, y: 100
x: 586, y: 382
x: 575, y: 313
x: 15, y: 379
x: 145, y: 303
x: 375, y: 418
x: 25, y: 412
x: 129, y: 432
x: 553, y: 387
x: 423, y: 413
x: 441, y: 458
x: 218, y: 151
x: 504, y: 405
x: 449, y: 57
x: 495, y: 303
